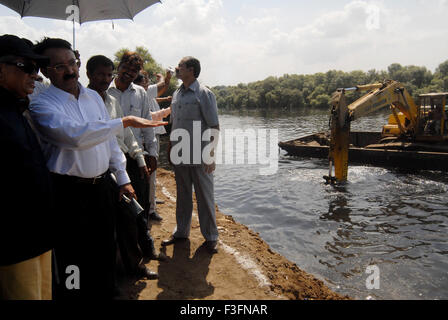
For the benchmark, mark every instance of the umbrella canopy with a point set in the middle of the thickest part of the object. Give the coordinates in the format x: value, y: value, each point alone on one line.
x: 89, y: 10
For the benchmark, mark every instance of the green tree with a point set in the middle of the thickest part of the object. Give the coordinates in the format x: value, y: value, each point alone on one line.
x: 293, y: 91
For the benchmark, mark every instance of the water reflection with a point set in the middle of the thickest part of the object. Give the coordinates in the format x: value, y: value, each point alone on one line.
x: 338, y: 210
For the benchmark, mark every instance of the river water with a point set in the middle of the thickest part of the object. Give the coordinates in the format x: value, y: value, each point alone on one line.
x: 394, y: 221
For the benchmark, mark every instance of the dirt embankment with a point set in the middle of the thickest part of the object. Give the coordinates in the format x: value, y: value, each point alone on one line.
x: 245, y: 268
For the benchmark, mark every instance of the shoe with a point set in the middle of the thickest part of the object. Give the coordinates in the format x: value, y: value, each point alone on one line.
x: 160, y: 202
x: 172, y: 240
x: 211, y: 246
x: 146, y: 244
x: 152, y: 256
x: 146, y: 273
x: 155, y: 216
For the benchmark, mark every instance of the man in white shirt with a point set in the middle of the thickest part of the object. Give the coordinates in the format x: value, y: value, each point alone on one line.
x: 100, y: 73
x: 153, y: 91
x: 80, y: 146
x: 134, y: 101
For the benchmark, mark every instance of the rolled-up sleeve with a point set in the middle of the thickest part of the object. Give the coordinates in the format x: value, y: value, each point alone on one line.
x: 149, y: 137
x: 209, y: 108
x: 152, y: 91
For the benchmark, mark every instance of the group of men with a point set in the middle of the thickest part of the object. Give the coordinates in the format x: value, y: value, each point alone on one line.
x: 79, y: 156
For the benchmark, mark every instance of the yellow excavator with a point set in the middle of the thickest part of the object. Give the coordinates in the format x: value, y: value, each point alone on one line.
x: 426, y: 123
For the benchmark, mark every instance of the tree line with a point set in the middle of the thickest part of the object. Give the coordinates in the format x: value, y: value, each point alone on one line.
x: 293, y: 92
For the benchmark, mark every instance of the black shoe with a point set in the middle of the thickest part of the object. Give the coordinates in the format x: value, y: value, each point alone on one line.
x: 152, y: 256
x: 172, y: 240
x: 160, y: 202
x: 155, y: 216
x: 146, y: 273
x: 212, y: 246
x: 146, y: 243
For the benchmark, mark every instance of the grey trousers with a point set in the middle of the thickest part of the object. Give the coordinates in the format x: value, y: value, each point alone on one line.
x: 186, y: 178
x: 153, y: 183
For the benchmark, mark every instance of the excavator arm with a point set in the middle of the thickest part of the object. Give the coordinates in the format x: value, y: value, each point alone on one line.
x: 389, y: 93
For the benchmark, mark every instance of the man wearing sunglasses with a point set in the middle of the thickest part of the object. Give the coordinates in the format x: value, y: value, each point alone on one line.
x: 26, y: 227
x: 79, y: 141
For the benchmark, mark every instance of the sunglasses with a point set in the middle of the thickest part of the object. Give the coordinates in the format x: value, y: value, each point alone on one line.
x: 27, y: 67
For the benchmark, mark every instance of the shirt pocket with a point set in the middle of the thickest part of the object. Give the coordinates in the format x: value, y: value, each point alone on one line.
x: 135, y: 110
x: 191, y: 111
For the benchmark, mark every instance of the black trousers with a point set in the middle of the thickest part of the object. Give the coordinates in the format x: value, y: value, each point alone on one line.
x: 127, y: 238
x: 134, y: 229
x: 140, y: 185
x: 86, y: 242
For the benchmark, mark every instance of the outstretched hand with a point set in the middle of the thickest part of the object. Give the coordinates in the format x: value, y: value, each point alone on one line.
x: 136, y: 122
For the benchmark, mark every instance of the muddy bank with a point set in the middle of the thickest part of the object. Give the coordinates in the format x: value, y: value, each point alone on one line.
x: 245, y: 268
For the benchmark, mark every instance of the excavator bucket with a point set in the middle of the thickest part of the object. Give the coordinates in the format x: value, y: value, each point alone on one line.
x: 339, y: 139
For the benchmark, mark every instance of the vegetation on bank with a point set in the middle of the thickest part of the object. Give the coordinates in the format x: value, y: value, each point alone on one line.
x: 294, y: 92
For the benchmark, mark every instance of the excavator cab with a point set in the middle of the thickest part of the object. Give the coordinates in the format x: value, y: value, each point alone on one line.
x: 432, y: 117
x: 426, y: 122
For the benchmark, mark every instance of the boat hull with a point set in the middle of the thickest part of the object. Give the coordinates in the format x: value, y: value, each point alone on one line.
x: 414, y: 160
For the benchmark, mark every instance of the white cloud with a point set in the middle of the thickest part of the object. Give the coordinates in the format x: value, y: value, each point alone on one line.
x: 259, y: 43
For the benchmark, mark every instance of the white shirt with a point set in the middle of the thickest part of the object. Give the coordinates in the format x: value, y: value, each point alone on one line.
x: 77, y: 134
x: 125, y: 138
x: 38, y: 88
x: 154, y: 106
x: 135, y: 102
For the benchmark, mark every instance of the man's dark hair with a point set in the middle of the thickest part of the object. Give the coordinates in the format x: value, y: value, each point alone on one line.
x: 133, y: 59
x: 191, y: 62
x: 141, y: 76
x: 139, y: 79
x: 97, y: 61
x: 49, y: 43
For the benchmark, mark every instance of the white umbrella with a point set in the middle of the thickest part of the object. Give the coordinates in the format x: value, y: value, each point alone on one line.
x: 79, y: 10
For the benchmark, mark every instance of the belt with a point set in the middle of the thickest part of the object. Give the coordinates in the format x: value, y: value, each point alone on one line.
x: 74, y: 179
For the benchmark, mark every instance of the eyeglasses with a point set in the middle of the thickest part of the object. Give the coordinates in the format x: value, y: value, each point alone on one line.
x: 27, y: 67
x: 59, y: 68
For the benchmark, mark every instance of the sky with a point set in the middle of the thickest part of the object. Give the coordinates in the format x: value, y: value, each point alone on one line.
x: 241, y: 41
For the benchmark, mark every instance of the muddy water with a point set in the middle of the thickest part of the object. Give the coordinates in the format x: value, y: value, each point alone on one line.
x: 392, y: 220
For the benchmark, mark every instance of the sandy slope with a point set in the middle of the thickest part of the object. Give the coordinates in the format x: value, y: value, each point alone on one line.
x: 244, y: 267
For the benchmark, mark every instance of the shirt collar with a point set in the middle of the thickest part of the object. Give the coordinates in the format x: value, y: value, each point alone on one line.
x: 130, y: 88
x: 193, y: 87
x: 108, y: 99
x: 65, y: 94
